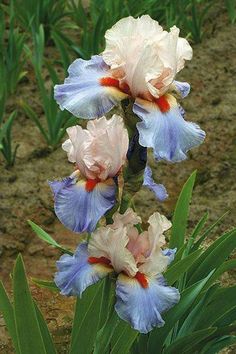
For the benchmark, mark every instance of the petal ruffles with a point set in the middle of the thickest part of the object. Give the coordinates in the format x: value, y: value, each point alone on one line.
x: 82, y: 94
x: 78, y: 209
x: 75, y: 274
x: 142, y: 307
x: 167, y: 133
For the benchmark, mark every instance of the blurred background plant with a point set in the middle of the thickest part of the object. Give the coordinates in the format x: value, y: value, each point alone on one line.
x: 12, y: 53
x: 231, y: 8
x: 56, y: 122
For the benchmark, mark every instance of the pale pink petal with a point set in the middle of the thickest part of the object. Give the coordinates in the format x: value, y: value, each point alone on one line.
x: 129, y: 218
x: 144, y: 56
x: 100, y: 151
x: 156, y: 262
x: 138, y: 245
x: 111, y: 243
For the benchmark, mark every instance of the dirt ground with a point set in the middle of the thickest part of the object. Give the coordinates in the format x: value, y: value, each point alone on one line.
x: 25, y: 194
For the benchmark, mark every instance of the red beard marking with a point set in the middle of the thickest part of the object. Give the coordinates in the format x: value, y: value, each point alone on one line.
x: 163, y: 104
x: 99, y: 260
x: 109, y: 81
x: 141, y: 278
x: 91, y: 184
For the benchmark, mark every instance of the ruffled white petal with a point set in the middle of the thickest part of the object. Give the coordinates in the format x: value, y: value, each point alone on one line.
x: 129, y: 218
x: 111, y: 243
x: 144, y: 56
x: 156, y: 262
x: 100, y: 151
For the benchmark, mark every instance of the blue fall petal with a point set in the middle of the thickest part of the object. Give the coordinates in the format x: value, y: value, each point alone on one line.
x: 182, y: 88
x: 75, y: 274
x: 78, y: 209
x: 142, y: 307
x: 167, y: 133
x: 158, y: 189
x: 81, y: 94
x: 170, y: 253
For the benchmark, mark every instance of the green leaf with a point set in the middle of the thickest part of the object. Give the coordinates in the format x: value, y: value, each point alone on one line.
x: 86, y: 320
x: 8, y: 314
x: 174, y: 272
x: 222, y: 301
x: 207, y: 232
x: 123, y: 338
x: 45, y: 284
x: 27, y: 327
x: 197, y: 230
x: 185, y: 344
x: 192, y: 319
x: 105, y: 334
x: 188, y: 296
x: 216, y: 257
x: 43, y: 235
x: 181, y: 214
x: 47, y: 339
x: 217, y: 345
x: 224, y: 267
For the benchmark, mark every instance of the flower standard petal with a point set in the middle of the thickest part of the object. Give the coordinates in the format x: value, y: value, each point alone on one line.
x: 129, y: 218
x: 78, y: 205
x: 156, y: 261
x: 142, y: 306
x: 82, y: 93
x: 75, y: 273
x: 165, y: 129
x: 158, y: 189
x: 111, y: 244
x: 100, y: 150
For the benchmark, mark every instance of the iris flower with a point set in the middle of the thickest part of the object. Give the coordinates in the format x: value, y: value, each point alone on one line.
x: 138, y: 262
x: 140, y: 62
x: 98, y: 152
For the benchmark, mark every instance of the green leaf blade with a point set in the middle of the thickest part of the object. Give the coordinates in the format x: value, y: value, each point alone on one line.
x: 181, y: 213
x: 27, y: 327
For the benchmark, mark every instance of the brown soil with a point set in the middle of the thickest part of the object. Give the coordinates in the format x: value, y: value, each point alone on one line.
x: 24, y: 192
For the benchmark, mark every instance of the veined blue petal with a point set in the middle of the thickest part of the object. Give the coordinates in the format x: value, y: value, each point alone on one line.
x: 142, y: 307
x: 167, y: 133
x: 181, y: 88
x: 170, y: 253
x: 78, y: 209
x: 82, y: 94
x: 158, y: 189
x: 75, y: 274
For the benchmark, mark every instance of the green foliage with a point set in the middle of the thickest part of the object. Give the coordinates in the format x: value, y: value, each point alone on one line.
x: 202, y: 322
x: 231, y: 8
x: 8, y: 152
x: 43, y: 235
x: 57, y: 121
x: 25, y: 323
x: 12, y: 50
x: 48, y: 13
x: 189, y: 15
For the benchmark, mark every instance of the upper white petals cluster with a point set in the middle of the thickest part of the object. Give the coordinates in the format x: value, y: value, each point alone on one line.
x: 100, y: 150
x: 144, y: 56
x: 128, y: 250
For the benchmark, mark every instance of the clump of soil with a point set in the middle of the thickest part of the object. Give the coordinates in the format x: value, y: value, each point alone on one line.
x: 25, y: 194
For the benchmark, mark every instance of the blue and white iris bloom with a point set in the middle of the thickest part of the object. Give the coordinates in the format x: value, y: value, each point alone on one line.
x: 138, y: 260
x: 140, y: 61
x: 99, y: 152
